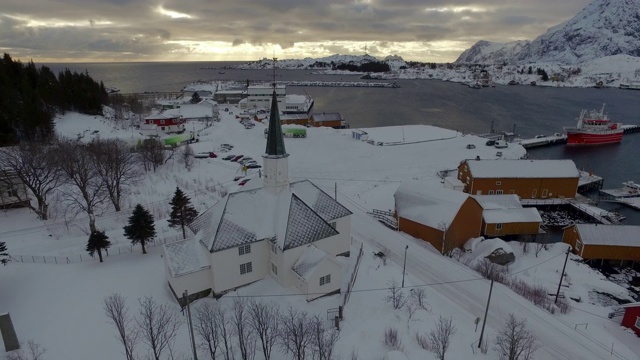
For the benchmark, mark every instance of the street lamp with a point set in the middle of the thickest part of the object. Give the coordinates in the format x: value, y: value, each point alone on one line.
x: 404, y: 266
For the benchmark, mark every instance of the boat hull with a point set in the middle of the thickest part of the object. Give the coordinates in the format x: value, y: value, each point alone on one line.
x: 585, y: 138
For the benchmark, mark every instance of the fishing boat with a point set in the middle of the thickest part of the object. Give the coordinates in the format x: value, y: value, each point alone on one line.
x: 594, y: 128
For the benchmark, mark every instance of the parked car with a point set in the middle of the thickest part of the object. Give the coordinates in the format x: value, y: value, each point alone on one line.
x: 501, y: 144
x: 235, y: 159
x: 212, y: 155
x: 237, y: 178
x: 471, y: 146
x: 243, y: 182
x: 228, y: 157
x: 499, y: 154
x: 490, y: 142
x: 253, y: 166
x: 202, y: 155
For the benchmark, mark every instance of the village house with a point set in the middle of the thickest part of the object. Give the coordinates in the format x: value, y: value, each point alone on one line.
x: 444, y: 218
x: 291, y: 232
x: 192, y: 112
x: 296, y: 119
x: 164, y: 122
x: 330, y: 119
x: 631, y: 317
x: 503, y: 216
x: 604, y: 242
x: 529, y: 179
x: 13, y: 192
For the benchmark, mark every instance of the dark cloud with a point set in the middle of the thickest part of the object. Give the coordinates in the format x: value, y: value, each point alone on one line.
x: 150, y: 29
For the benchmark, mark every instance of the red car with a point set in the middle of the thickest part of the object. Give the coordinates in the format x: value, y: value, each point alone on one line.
x: 235, y: 159
x: 243, y: 182
x: 212, y: 155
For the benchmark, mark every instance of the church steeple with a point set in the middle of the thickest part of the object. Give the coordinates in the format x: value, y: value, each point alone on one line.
x: 276, y: 164
x: 275, y: 140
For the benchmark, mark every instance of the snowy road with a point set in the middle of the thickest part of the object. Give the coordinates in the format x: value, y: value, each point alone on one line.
x: 557, y: 338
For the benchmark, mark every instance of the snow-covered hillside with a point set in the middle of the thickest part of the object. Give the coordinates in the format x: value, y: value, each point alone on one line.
x: 326, y: 63
x: 603, y: 28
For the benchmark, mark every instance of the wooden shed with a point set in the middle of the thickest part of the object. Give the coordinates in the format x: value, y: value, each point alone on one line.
x: 297, y: 119
x: 605, y: 242
x: 445, y: 218
x: 529, y: 179
x: 332, y: 119
x: 504, y: 216
x: 631, y: 317
x: 13, y: 192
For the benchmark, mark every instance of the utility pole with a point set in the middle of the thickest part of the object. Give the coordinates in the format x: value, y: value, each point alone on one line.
x: 193, y: 340
x: 562, y: 275
x: 486, y: 311
x: 404, y: 267
x: 335, y: 191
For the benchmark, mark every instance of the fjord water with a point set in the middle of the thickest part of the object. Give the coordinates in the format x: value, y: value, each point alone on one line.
x: 533, y: 110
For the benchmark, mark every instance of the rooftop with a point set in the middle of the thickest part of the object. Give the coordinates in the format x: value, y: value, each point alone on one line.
x: 492, y: 169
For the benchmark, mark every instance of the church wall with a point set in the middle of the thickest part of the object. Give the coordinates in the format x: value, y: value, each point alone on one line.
x: 289, y: 258
x: 343, y: 243
x: 226, y: 266
x: 194, y: 282
x: 327, y: 267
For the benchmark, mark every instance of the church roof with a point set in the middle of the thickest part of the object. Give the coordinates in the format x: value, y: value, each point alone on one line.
x: 275, y: 140
x: 185, y: 257
x: 309, y: 261
x: 294, y: 216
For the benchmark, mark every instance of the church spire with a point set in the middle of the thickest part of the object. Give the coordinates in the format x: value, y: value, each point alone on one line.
x: 275, y: 140
x: 276, y: 164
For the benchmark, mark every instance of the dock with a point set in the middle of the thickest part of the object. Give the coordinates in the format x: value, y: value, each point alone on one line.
x: 579, y: 205
x: 538, y: 141
x: 588, y: 182
x: 633, y: 203
x: 629, y: 129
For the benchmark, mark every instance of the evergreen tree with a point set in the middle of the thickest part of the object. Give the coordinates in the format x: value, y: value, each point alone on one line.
x: 141, y: 228
x: 195, y: 98
x: 182, y: 212
x: 98, y: 241
x: 4, y: 257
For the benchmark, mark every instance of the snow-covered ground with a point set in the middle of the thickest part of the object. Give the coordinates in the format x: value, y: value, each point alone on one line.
x: 60, y: 305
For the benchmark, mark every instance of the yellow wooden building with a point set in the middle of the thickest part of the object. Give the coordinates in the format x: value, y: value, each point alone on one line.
x: 445, y: 218
x: 605, y: 242
x: 529, y: 179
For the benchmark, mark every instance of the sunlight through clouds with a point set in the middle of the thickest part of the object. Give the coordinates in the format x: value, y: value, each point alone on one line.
x: 172, y: 14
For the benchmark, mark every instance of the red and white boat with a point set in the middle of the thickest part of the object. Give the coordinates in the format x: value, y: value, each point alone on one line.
x: 594, y: 128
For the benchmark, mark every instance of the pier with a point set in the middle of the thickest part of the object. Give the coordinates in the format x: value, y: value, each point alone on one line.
x: 629, y: 129
x: 588, y: 182
x: 578, y: 205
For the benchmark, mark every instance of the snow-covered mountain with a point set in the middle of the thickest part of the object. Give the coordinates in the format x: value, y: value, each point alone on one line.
x: 325, y: 63
x: 486, y: 52
x: 603, y: 28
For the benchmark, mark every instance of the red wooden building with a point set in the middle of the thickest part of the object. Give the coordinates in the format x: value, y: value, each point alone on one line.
x: 166, y: 123
x: 631, y: 318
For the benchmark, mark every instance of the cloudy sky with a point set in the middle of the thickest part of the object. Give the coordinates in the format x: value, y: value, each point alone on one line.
x: 218, y: 30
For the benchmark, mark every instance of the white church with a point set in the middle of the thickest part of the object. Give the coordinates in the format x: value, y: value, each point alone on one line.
x: 292, y: 232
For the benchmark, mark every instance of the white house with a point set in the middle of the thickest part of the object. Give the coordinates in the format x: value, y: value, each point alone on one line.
x: 291, y: 232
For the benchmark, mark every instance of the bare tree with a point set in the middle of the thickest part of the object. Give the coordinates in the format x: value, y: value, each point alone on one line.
x: 116, y: 166
x: 87, y: 190
x: 392, y: 339
x: 419, y: 297
x: 118, y: 313
x: 491, y: 271
x: 295, y: 335
x: 323, y: 339
x: 242, y: 329
x: 36, y: 167
x: 33, y: 352
x: 514, y: 341
x: 158, y: 325
x: 223, y: 323
x: 395, y: 295
x: 205, y: 327
x: 187, y: 156
x: 440, y: 337
x: 263, y: 320
x: 151, y: 153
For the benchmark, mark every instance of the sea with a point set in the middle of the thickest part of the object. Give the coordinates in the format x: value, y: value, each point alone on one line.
x: 525, y: 110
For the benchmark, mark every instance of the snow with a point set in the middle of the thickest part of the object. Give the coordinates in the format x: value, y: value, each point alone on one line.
x: 432, y: 205
x: 610, y: 235
x: 523, y: 169
x: 506, y: 216
x: 192, y: 111
x: 60, y: 305
x: 186, y: 256
x: 480, y: 247
x: 493, y: 202
x: 309, y: 261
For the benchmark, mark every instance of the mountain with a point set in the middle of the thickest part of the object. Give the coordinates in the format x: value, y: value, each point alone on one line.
x: 325, y: 63
x: 486, y: 52
x: 603, y: 28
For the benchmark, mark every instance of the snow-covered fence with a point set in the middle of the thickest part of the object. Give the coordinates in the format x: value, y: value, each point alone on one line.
x: 78, y: 258
x: 354, y: 274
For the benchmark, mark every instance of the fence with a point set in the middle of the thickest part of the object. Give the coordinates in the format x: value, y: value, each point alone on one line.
x: 78, y: 258
x: 354, y: 274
